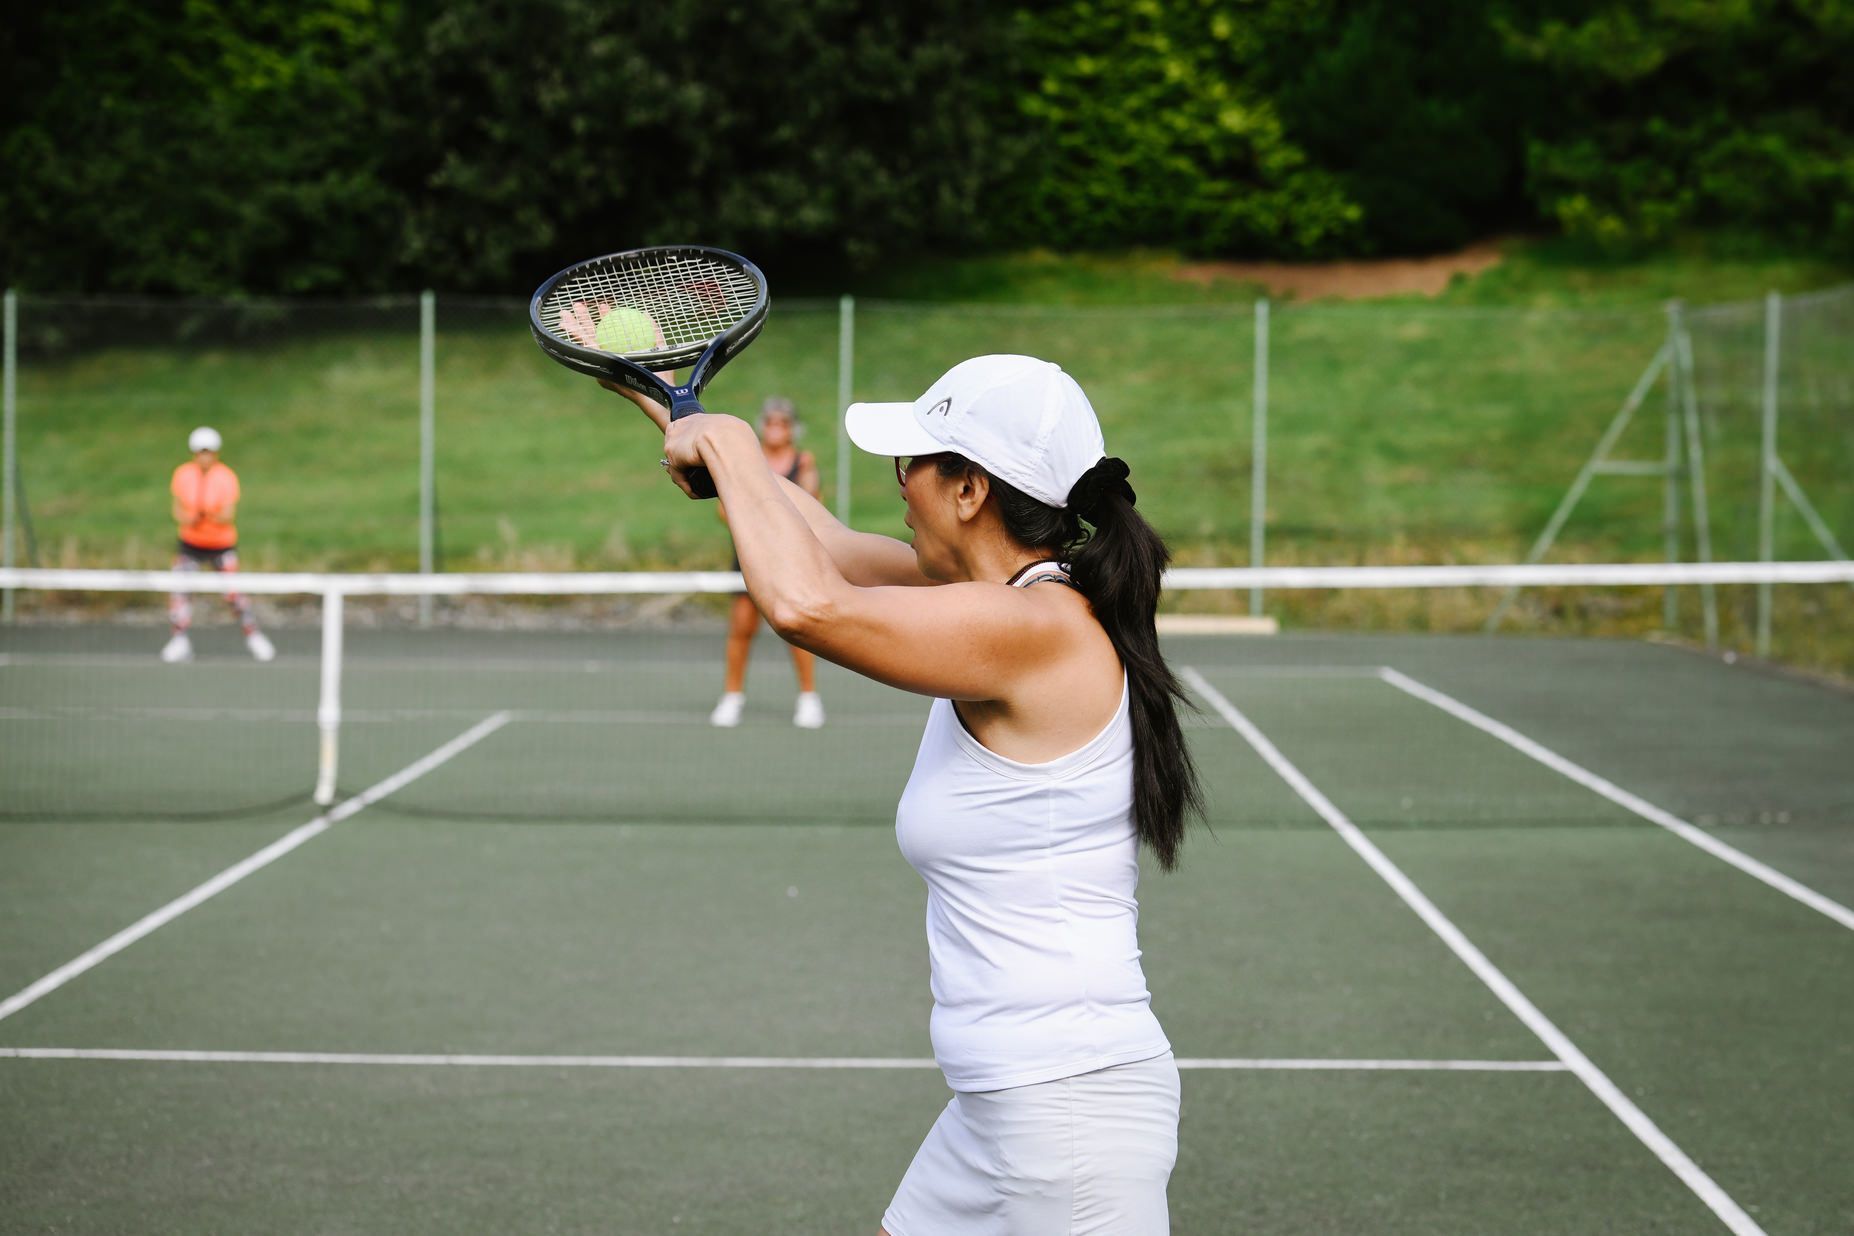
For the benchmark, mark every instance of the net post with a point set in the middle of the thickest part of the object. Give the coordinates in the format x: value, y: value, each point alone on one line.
x: 1696, y: 475
x: 1767, y: 455
x: 427, y: 445
x: 1258, y: 465
x: 1670, y: 487
x: 9, y: 452
x: 328, y: 706
x: 846, y: 360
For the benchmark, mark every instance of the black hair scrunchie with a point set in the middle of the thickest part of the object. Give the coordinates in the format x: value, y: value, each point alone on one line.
x: 1108, y: 476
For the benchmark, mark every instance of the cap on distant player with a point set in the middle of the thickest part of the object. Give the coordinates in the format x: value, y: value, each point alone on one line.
x: 205, y: 438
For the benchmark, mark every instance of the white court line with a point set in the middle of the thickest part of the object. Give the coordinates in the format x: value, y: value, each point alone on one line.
x: 422, y: 1060
x: 1624, y: 1109
x: 256, y: 862
x: 1622, y: 798
x: 130, y: 714
x: 562, y: 665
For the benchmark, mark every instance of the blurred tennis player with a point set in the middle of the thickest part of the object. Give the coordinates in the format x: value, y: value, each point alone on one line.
x: 1052, y: 750
x: 779, y: 432
x: 205, y: 492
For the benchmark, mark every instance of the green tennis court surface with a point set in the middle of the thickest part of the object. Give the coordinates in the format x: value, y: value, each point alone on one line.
x: 602, y: 968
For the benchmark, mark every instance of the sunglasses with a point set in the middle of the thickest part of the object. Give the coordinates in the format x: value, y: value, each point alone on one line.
x: 903, y: 463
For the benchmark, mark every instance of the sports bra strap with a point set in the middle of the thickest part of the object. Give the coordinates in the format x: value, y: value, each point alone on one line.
x: 1041, y: 572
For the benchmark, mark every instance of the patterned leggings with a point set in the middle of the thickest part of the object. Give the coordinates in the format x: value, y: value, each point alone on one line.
x: 180, y: 604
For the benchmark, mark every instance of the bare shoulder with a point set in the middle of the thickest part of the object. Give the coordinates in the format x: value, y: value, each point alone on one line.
x: 1064, y: 694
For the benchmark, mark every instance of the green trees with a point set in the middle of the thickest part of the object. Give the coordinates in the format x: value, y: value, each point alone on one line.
x: 197, y: 146
x: 321, y: 145
x: 1677, y: 112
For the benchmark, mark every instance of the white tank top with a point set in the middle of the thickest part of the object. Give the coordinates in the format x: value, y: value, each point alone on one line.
x: 1032, y: 923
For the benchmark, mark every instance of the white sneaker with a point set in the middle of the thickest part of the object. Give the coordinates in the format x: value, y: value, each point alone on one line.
x: 177, y: 649
x: 809, y: 715
x: 260, y: 647
x: 727, y: 712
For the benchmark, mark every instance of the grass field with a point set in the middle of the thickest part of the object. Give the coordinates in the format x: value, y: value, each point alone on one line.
x: 1407, y: 431
x: 558, y: 982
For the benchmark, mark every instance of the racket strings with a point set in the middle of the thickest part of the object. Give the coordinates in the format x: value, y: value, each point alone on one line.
x: 691, y: 299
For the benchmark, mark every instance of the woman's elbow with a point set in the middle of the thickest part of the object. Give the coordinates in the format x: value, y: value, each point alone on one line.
x: 798, y: 618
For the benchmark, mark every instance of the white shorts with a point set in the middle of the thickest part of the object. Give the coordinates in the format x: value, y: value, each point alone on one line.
x: 1087, y: 1155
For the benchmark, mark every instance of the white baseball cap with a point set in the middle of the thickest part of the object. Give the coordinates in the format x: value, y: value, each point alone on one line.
x: 205, y: 438
x: 1021, y: 419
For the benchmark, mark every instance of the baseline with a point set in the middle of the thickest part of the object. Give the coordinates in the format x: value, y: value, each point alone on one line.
x: 1620, y: 1105
x: 256, y: 862
x: 1691, y: 834
x: 421, y: 1060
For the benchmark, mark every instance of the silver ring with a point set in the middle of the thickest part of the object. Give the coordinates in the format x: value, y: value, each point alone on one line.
x: 663, y: 463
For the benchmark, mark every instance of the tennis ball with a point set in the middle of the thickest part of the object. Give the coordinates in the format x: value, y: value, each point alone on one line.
x: 627, y: 330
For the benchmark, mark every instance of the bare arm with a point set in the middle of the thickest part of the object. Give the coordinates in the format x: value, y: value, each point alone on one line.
x: 865, y: 559
x: 969, y: 641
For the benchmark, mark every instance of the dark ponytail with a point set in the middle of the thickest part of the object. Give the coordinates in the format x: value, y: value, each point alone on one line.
x: 1117, y: 567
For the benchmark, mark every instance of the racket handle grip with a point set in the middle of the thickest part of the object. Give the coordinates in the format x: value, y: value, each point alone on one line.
x: 684, y: 402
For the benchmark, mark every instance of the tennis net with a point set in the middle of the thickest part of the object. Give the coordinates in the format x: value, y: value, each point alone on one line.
x: 597, y: 691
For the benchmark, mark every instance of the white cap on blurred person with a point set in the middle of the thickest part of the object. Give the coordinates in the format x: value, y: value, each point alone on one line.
x: 1021, y: 419
x: 205, y: 438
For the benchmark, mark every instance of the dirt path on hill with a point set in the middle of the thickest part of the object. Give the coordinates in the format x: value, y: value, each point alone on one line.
x: 1351, y: 280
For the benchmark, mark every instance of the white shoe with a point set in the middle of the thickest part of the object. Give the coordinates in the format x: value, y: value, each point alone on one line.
x: 261, y: 648
x: 727, y: 712
x: 177, y: 649
x: 809, y: 715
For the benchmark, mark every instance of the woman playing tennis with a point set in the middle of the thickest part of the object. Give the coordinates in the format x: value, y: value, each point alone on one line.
x: 1024, y: 607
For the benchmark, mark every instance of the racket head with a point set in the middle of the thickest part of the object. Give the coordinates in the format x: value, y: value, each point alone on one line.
x: 703, y: 306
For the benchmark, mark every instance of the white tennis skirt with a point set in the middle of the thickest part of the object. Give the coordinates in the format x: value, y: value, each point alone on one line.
x: 1087, y: 1155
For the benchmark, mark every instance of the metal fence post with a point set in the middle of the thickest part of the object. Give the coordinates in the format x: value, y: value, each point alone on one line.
x: 1696, y: 474
x: 1258, y: 464
x: 9, y: 453
x: 1670, y: 497
x: 427, y: 445
x: 1767, y: 469
x: 846, y: 361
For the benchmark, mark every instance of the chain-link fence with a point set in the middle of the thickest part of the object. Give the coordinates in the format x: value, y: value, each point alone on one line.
x: 1313, y: 434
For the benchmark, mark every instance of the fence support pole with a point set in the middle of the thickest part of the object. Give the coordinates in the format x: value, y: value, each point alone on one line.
x: 1258, y: 466
x: 1599, y: 460
x: 1767, y: 470
x: 1670, y: 495
x: 1696, y: 475
x: 9, y: 452
x: 846, y: 373
x: 328, y: 707
x: 427, y: 444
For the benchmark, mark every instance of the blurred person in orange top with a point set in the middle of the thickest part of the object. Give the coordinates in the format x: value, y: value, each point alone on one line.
x: 205, y: 491
x: 779, y: 434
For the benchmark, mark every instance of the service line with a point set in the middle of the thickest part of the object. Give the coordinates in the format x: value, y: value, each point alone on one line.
x: 483, y: 1061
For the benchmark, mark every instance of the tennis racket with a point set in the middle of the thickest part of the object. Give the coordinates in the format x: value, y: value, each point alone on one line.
x: 626, y: 316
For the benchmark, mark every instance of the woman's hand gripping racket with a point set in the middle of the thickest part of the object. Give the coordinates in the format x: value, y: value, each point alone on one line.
x: 626, y: 316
